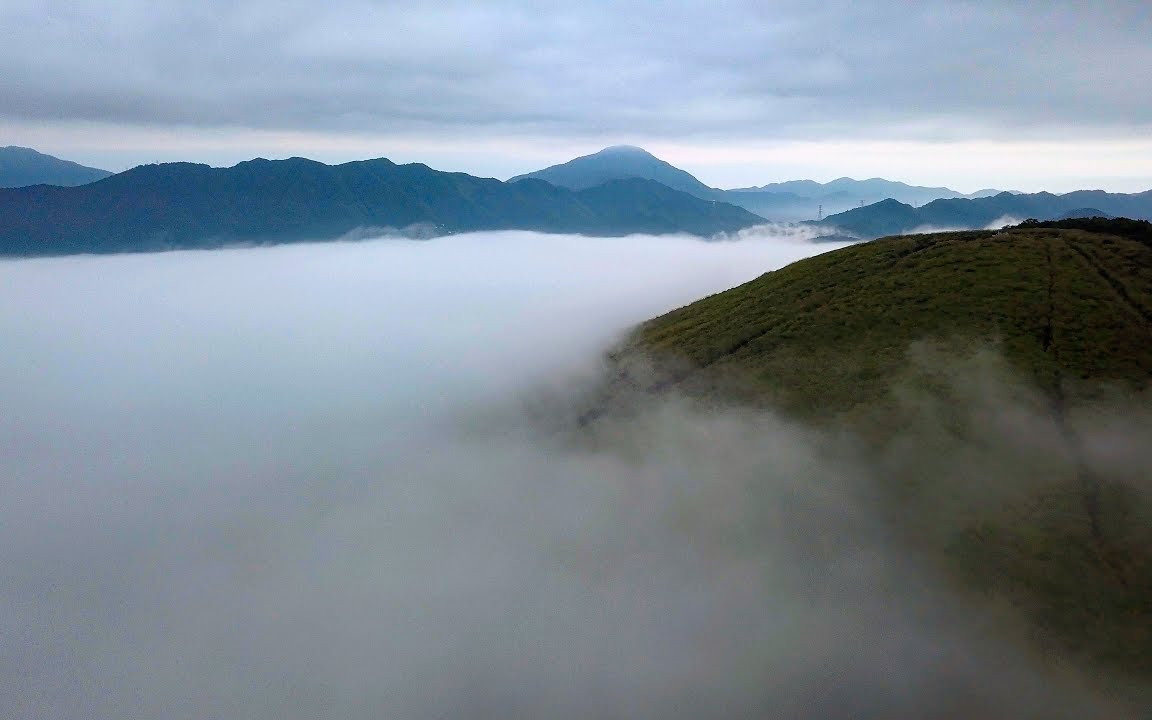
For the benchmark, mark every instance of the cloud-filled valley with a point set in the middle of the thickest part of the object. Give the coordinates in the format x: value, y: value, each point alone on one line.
x: 314, y: 481
x: 434, y: 360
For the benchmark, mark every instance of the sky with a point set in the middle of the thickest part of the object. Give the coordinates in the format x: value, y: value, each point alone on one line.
x: 1023, y: 95
x: 328, y: 480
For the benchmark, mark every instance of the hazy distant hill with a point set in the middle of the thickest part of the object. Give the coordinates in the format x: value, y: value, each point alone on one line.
x: 846, y: 190
x: 1084, y: 213
x: 21, y: 166
x: 184, y: 205
x: 891, y: 217
x: 887, y: 217
x: 1035, y: 525
x: 624, y: 161
x: 780, y: 206
x: 618, y: 162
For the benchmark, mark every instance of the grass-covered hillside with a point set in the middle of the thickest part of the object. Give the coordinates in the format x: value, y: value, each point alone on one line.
x: 1067, y: 307
x: 994, y: 383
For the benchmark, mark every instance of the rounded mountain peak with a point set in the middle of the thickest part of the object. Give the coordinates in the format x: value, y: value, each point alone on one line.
x: 625, y: 149
x: 618, y: 162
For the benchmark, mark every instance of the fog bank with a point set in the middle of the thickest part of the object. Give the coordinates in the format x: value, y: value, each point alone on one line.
x: 299, y: 482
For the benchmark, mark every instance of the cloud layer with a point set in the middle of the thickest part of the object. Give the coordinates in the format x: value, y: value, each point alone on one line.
x: 792, y: 70
x: 313, y: 481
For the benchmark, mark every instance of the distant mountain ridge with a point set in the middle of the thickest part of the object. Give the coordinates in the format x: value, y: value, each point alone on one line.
x: 870, y: 190
x: 787, y: 201
x: 21, y: 166
x: 186, y: 205
x: 891, y: 217
x: 617, y: 191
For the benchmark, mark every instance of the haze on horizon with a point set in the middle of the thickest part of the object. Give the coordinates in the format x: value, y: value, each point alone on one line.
x: 1010, y: 94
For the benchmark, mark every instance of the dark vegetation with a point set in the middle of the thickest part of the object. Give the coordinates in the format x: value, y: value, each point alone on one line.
x: 976, y: 370
x: 1139, y: 230
x: 21, y: 166
x: 184, y: 205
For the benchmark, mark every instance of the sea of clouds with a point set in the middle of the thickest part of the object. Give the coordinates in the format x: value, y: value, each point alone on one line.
x: 301, y: 481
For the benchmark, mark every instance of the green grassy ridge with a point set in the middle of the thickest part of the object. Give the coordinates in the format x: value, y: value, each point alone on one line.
x: 929, y: 347
x: 827, y: 333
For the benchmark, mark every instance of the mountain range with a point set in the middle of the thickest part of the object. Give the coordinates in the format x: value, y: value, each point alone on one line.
x: 617, y: 191
x: 891, y: 217
x: 869, y: 191
x: 185, y: 205
x: 787, y: 201
x: 21, y: 166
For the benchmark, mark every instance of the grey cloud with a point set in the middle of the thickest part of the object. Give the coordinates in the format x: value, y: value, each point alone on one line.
x: 785, y: 69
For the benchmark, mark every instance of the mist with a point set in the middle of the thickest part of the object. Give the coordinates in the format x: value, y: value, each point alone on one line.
x: 314, y: 481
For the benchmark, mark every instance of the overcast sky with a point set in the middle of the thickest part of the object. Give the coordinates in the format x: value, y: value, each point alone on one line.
x: 1030, y: 95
